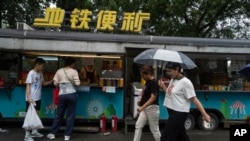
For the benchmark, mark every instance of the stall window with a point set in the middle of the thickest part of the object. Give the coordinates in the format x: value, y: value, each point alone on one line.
x: 9, y: 66
x: 28, y: 64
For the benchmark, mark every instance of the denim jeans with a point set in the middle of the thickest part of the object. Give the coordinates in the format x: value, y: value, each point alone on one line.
x: 150, y: 114
x: 66, y: 104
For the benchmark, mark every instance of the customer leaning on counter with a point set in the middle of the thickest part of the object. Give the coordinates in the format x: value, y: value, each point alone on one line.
x: 66, y: 78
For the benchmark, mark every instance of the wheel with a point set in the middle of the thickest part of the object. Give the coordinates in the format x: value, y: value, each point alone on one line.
x: 190, y: 122
x: 213, y: 124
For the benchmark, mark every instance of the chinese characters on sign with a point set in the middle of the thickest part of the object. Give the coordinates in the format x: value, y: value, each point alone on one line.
x: 133, y: 21
x: 80, y: 19
x: 106, y: 20
x: 53, y: 18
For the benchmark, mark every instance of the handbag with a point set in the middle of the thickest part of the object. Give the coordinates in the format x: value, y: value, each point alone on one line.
x: 55, y: 95
x: 32, y: 120
x: 76, y: 87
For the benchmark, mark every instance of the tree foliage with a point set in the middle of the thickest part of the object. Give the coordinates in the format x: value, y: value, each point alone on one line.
x: 190, y: 18
x: 13, y: 11
x: 198, y: 18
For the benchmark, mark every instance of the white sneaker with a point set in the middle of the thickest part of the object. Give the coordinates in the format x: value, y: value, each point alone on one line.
x: 66, y: 138
x: 28, y: 138
x: 36, y: 135
x: 51, y: 136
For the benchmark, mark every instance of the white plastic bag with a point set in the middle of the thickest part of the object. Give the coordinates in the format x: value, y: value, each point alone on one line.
x: 31, y: 120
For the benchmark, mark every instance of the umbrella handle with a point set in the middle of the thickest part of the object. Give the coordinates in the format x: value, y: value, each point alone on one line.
x: 164, y: 65
x: 155, y: 64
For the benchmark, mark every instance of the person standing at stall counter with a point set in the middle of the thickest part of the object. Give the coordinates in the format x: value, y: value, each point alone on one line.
x: 66, y: 78
x: 179, y: 95
x: 148, y: 106
x: 88, y: 74
x: 34, y: 82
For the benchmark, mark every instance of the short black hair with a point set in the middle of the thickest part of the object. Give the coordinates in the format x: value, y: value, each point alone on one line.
x: 173, y: 65
x: 147, y: 70
x: 69, y: 61
x: 39, y: 61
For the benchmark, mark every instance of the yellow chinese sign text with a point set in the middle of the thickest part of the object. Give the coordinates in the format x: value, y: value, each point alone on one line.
x: 106, y: 20
x: 53, y: 18
x: 133, y: 21
x: 81, y: 17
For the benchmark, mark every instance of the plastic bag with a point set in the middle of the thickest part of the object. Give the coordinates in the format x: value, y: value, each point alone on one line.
x: 55, y: 95
x: 31, y: 120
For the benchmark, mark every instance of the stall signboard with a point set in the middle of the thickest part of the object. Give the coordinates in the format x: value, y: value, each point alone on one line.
x: 106, y: 20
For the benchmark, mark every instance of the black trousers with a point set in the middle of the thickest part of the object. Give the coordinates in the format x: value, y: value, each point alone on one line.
x: 66, y: 104
x: 174, y: 129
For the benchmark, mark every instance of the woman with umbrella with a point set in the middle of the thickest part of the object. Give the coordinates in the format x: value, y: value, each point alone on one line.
x: 179, y: 95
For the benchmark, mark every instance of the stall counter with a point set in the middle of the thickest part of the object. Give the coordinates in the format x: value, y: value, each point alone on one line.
x: 90, y: 105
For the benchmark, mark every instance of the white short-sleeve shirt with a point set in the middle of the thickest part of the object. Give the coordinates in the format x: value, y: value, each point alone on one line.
x: 35, y: 79
x: 178, y: 95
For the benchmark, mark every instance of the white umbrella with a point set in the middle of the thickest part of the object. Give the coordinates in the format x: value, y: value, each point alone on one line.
x: 159, y: 57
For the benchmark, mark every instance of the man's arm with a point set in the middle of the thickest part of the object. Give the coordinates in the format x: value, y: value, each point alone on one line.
x: 45, y: 83
x: 28, y: 93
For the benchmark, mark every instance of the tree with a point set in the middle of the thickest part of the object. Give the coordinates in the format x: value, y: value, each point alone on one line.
x: 197, y: 18
x: 14, y: 11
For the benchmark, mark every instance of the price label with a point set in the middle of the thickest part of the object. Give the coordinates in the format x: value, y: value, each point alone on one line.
x: 110, y: 89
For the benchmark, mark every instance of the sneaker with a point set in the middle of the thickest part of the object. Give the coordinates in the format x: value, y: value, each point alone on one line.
x: 66, y: 138
x: 51, y: 136
x: 36, y: 135
x: 28, y: 138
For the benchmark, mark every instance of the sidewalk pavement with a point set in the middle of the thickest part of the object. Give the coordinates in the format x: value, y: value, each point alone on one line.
x: 13, y: 132
x: 17, y: 134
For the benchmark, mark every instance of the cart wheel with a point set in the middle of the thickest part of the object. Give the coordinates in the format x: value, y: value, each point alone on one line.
x: 190, y: 122
x: 214, y: 123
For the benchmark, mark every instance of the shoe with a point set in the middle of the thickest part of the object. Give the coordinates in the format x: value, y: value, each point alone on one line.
x: 51, y: 136
x: 36, y: 135
x: 28, y: 138
x: 66, y: 138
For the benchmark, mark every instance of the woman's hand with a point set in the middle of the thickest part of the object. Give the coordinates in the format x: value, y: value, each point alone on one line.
x: 139, y: 109
x: 138, y: 102
x: 206, y: 117
x: 162, y: 85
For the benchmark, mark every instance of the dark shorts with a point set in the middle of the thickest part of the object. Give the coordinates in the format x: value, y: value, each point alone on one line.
x: 37, y: 107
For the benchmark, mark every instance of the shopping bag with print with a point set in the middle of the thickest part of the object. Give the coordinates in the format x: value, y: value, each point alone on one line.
x: 31, y: 120
x: 55, y: 95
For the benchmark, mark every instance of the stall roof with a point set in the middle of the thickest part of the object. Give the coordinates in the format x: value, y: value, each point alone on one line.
x: 104, y: 37
x: 82, y: 42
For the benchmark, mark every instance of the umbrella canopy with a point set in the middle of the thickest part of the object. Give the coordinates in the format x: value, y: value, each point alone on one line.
x: 159, y: 57
x: 245, y: 70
